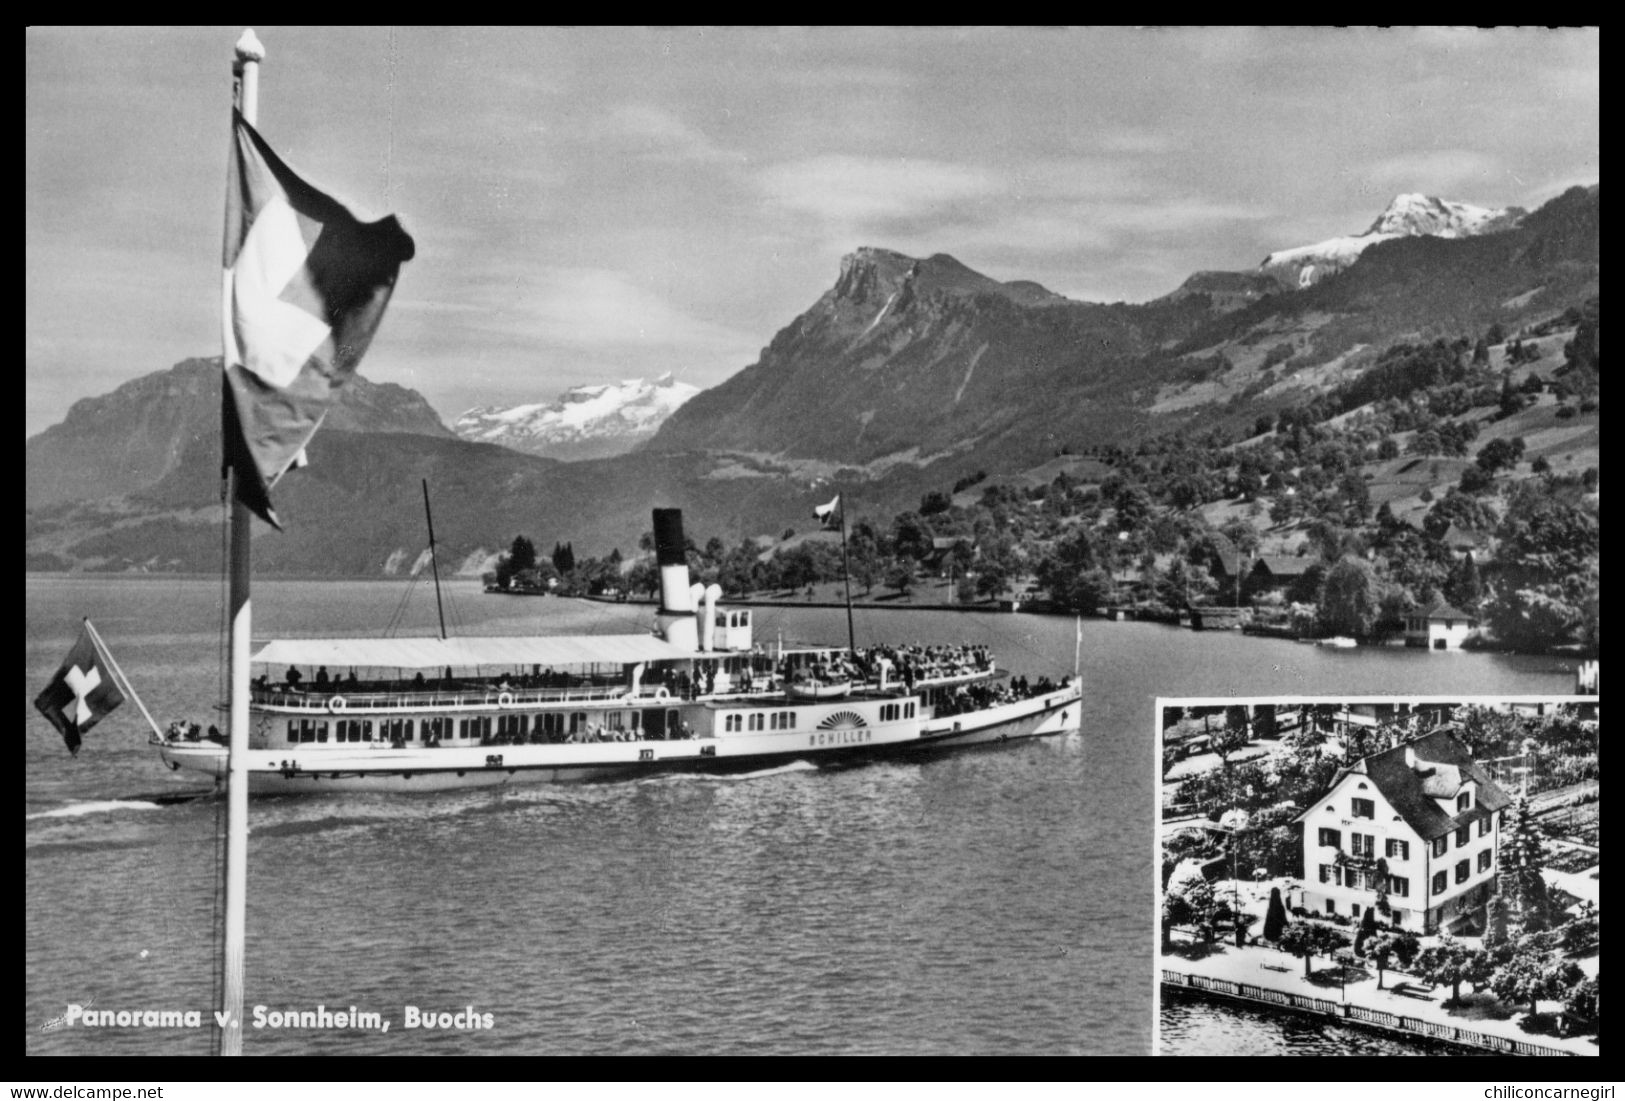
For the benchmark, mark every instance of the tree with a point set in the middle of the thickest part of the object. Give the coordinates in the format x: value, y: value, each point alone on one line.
x: 1233, y: 736
x: 900, y: 576
x: 1350, y: 598
x: 1529, y: 976
x: 1448, y: 963
x: 1275, y: 916
x: 522, y: 555
x: 1500, y: 454
x: 1464, y: 588
x: 912, y: 537
x: 1549, y: 543
x: 1308, y: 939
x: 1383, y: 948
x: 1581, y: 1007
x: 1368, y: 928
x: 1519, y: 880
x: 1189, y: 901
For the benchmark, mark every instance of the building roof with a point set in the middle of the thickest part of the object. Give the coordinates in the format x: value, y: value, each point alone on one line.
x: 1441, y: 610
x: 1443, y: 766
x: 1225, y: 554
x: 501, y: 652
x: 1284, y: 565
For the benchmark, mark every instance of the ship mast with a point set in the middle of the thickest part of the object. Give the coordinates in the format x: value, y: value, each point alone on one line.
x: 434, y: 560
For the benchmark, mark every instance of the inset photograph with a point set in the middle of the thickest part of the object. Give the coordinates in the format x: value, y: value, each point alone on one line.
x: 1358, y: 877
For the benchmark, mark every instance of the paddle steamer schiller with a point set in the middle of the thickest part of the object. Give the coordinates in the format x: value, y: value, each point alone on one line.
x: 696, y: 695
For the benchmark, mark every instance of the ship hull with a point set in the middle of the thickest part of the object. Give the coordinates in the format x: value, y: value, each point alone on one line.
x: 302, y: 770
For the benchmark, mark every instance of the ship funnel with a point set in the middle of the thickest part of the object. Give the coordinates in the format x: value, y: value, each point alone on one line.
x: 677, y: 603
x: 708, y: 618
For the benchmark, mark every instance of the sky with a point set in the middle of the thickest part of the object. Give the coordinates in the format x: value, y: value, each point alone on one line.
x: 592, y: 205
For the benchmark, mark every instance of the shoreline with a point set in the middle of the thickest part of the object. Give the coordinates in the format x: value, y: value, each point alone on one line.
x: 1378, y: 1020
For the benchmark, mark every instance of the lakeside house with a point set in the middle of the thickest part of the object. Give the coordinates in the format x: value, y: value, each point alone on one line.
x: 1275, y: 572
x: 1421, y: 821
x: 1441, y: 627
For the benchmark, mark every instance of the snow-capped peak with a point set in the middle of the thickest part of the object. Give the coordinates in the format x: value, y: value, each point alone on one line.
x: 1408, y: 215
x: 588, y: 421
x: 1417, y: 215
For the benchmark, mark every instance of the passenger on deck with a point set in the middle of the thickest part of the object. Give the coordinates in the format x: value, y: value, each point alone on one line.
x: 417, y: 680
x: 352, y: 681
x: 294, y: 676
x: 215, y: 736
x: 322, y: 679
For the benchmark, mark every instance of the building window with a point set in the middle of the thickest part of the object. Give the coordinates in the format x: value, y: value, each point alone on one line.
x: 1401, y: 849
x: 1463, y: 835
x: 1464, y: 801
x: 1365, y: 808
x: 1355, y: 909
x: 1463, y: 870
x: 1441, y: 882
x: 1441, y: 845
x: 1399, y: 886
x: 1331, y: 839
x: 1484, y: 859
x: 1325, y: 873
x: 1363, y: 844
x: 1331, y: 907
x: 1483, y: 826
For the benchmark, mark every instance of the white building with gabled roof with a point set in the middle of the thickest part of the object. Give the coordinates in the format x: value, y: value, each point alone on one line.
x: 1422, y: 821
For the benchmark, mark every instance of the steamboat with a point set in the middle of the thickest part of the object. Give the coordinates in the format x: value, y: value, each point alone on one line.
x: 697, y: 694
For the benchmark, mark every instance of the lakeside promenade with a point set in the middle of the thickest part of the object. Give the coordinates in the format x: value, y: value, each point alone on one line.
x: 1268, y: 977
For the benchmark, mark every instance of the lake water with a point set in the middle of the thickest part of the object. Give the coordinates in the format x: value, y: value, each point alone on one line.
x: 997, y: 901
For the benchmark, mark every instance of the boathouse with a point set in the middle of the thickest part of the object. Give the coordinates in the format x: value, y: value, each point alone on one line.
x: 1441, y: 627
x: 1417, y: 827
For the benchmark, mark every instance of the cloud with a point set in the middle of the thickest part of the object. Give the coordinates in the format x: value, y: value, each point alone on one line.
x: 1447, y: 173
x: 658, y: 132
x: 863, y: 189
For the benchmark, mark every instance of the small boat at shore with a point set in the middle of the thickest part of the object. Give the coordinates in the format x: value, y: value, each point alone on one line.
x: 1337, y: 642
x: 424, y: 714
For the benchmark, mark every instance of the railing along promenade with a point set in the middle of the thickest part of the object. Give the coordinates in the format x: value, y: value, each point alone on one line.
x: 1379, y: 1018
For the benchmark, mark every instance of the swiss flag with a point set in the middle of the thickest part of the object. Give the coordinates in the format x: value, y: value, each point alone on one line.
x: 306, y: 283
x: 82, y: 691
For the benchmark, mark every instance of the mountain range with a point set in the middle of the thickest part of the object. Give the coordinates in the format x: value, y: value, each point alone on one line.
x: 906, y: 375
x: 586, y: 422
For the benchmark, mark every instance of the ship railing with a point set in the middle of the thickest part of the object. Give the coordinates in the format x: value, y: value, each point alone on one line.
x: 452, y: 699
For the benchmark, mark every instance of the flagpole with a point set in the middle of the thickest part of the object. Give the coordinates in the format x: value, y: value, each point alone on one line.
x: 107, y: 656
x: 245, y: 83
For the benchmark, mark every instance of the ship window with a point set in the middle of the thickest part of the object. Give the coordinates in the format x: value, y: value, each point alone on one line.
x: 755, y: 721
x: 637, y: 720
x: 321, y: 732
x: 908, y: 710
x: 730, y: 723
x: 293, y: 731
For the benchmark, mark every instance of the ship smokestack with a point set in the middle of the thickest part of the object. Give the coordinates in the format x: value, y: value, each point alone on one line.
x: 676, y: 616
x: 708, y: 621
